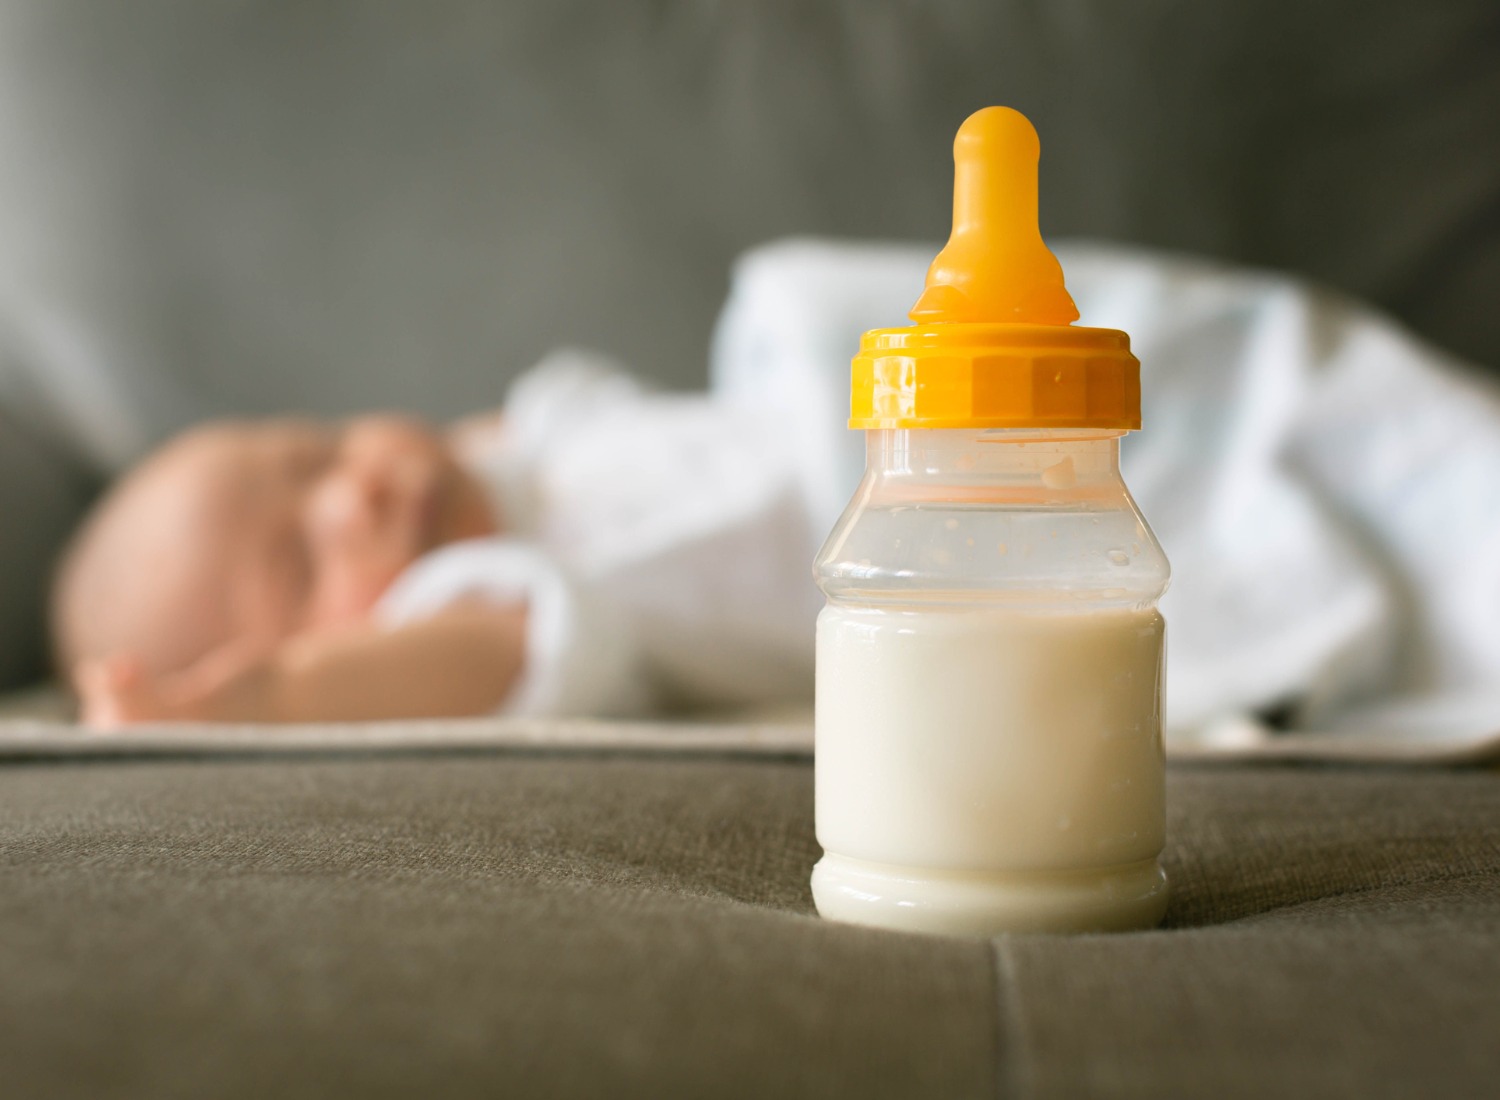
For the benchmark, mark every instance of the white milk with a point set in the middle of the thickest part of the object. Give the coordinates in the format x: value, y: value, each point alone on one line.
x: 990, y: 768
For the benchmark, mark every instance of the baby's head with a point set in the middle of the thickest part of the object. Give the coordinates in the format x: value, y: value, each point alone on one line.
x: 256, y: 531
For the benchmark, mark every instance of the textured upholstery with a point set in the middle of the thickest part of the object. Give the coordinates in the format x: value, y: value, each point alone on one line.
x: 620, y: 925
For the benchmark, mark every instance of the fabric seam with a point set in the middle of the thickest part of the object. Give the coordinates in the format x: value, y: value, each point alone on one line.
x: 1012, y: 1076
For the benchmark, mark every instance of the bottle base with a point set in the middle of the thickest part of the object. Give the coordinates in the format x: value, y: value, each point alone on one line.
x: 980, y: 903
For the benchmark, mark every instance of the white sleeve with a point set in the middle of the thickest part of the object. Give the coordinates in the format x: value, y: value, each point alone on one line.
x: 580, y: 656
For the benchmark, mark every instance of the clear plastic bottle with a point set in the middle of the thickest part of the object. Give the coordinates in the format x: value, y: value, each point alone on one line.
x: 989, y: 749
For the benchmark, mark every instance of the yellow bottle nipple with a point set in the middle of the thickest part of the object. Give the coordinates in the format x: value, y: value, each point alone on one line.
x: 994, y: 345
x: 995, y: 268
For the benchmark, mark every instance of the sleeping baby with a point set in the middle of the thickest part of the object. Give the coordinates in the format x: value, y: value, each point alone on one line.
x: 603, y: 550
x: 597, y: 549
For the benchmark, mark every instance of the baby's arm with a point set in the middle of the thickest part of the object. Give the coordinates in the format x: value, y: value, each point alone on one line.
x: 461, y: 661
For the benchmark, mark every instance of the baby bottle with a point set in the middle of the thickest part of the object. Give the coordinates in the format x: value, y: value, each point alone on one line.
x: 989, y: 662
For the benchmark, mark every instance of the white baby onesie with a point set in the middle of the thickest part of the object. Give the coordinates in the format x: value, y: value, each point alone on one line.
x: 661, y: 541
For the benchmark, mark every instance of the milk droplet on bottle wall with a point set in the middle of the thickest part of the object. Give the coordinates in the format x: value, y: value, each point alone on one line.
x: 989, y: 680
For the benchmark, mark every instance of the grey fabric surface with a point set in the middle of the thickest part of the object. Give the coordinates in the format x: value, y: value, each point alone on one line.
x: 534, y: 925
x: 43, y: 494
x: 267, y: 205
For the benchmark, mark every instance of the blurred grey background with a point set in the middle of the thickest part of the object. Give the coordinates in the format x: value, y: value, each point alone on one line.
x: 253, y: 206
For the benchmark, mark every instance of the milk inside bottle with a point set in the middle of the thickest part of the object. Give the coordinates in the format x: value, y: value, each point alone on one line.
x: 989, y: 664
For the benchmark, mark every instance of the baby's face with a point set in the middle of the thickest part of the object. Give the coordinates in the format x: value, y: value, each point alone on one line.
x: 336, y: 513
x: 264, y: 530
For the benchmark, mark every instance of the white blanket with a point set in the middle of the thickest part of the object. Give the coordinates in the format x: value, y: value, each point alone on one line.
x: 1326, y: 486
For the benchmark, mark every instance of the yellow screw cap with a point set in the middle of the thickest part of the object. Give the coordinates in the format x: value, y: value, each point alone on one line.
x: 994, y: 345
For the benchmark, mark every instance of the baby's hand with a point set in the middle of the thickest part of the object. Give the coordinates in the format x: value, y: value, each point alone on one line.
x: 462, y: 661
x: 228, y: 685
